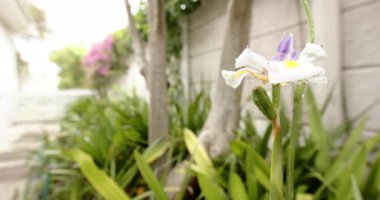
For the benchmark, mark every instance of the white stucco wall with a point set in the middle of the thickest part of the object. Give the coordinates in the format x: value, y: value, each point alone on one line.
x: 8, y: 77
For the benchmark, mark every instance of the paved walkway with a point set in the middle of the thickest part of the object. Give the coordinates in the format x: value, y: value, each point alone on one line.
x: 16, y: 143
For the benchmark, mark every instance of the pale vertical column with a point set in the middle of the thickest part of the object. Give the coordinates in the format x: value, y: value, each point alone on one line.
x: 185, y: 71
x: 327, y: 31
x: 8, y: 77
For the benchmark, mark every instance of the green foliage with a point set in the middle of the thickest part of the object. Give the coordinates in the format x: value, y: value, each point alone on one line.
x: 69, y: 59
x: 318, y: 131
x: 352, y: 173
x: 108, y: 131
x: 237, y: 188
x: 175, y: 10
x: 98, y: 179
x: 149, y: 176
x: 122, y: 45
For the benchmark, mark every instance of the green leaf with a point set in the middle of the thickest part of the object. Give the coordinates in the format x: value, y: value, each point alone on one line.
x: 263, y: 102
x: 355, y: 189
x: 236, y: 188
x: 304, y: 196
x: 372, y: 142
x: 257, y: 166
x: 328, y: 99
x: 149, y: 176
x: 210, y: 189
x: 156, y: 150
x: 238, y: 147
x: 351, y: 158
x: 153, y: 152
x: 263, y: 148
x: 252, y: 186
x: 97, y: 178
x: 199, y: 154
x: 371, y: 187
x: 352, y: 141
x: 318, y: 132
x: 276, y: 174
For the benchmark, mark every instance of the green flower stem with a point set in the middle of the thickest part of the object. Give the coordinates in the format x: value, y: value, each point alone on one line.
x: 297, y: 113
x: 310, y: 21
x: 276, y: 174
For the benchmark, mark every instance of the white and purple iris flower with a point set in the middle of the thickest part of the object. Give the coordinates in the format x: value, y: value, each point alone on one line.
x: 285, y: 67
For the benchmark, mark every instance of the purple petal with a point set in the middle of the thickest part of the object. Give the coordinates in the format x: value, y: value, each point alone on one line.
x: 285, y: 45
x: 294, y: 55
x: 280, y: 57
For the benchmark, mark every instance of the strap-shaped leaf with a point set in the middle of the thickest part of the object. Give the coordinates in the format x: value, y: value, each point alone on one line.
x: 149, y: 176
x: 210, y: 189
x: 199, y: 154
x: 97, y: 178
x: 236, y: 188
x: 355, y: 189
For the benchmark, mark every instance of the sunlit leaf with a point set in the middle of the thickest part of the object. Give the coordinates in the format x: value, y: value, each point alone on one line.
x: 236, y: 188
x: 355, y: 189
x: 149, y: 177
x: 199, y: 154
x: 98, y: 179
x: 210, y: 189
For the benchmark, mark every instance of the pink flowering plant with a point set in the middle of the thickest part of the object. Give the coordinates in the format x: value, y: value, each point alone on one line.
x: 98, y: 59
x: 105, y: 61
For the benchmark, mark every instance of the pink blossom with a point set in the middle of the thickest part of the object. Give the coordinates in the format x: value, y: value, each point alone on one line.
x: 108, y: 43
x: 104, y: 70
x: 105, y: 57
x: 99, y: 56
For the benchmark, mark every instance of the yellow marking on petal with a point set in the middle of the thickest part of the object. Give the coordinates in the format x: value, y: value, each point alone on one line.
x: 291, y: 63
x: 261, y: 77
x: 240, y: 73
x: 254, y: 74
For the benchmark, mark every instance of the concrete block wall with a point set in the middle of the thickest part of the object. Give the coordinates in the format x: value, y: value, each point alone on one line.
x: 361, y: 57
x: 206, y: 33
x: 359, y: 51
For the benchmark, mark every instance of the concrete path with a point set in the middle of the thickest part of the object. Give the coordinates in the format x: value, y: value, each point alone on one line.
x: 16, y: 144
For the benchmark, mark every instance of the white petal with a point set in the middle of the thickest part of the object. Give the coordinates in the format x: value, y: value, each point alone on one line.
x: 279, y: 73
x: 252, y: 60
x: 312, y: 52
x: 318, y: 80
x: 234, y: 78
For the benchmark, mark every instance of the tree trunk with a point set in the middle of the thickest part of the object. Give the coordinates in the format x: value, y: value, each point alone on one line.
x: 225, y: 111
x: 137, y: 42
x: 158, y: 111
